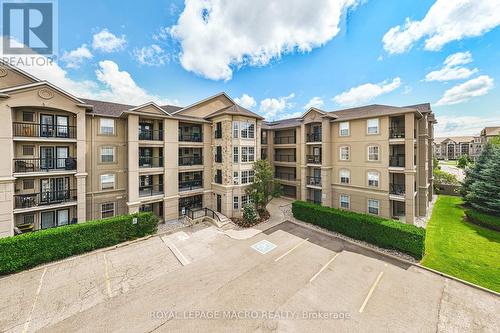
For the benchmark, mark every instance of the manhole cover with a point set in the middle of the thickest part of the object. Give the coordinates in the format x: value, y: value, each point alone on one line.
x: 263, y: 246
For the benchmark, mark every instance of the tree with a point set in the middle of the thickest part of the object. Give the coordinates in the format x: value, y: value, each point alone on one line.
x: 435, y: 163
x: 249, y: 213
x: 464, y: 161
x: 264, y: 188
x: 484, y: 193
x: 472, y: 173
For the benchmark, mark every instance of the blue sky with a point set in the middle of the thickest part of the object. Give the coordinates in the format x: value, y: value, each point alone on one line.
x: 283, y: 57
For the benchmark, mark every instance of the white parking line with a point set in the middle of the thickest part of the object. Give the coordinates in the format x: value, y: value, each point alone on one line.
x: 289, y: 251
x: 178, y: 254
x: 106, y: 275
x: 371, y: 291
x: 28, y: 320
x: 323, y: 268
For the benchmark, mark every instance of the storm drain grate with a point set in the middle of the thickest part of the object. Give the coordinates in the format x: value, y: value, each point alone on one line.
x: 263, y: 246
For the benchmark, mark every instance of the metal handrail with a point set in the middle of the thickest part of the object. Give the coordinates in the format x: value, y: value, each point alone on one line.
x: 313, y: 137
x: 150, y: 135
x: 316, y: 159
x: 44, y: 198
x: 284, y: 139
x: 26, y: 129
x: 44, y: 164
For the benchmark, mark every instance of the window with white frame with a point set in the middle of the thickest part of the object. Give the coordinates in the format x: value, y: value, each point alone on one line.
x: 373, y: 178
x: 107, y: 181
x: 345, y: 176
x: 107, y: 154
x: 235, y: 129
x: 244, y: 200
x: 247, y: 154
x: 107, y: 209
x: 236, y: 179
x: 373, y: 206
x: 247, y: 176
x: 373, y: 153
x: 236, y: 157
x: 235, y: 203
x: 247, y: 130
x: 344, y: 128
x: 344, y: 201
x: 372, y: 126
x: 344, y: 153
x: 251, y: 131
x: 107, y: 126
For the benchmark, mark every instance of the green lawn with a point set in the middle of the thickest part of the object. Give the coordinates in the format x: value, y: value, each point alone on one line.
x: 459, y: 248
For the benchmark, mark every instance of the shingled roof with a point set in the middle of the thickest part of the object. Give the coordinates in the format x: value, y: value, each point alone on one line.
x: 234, y: 110
x: 373, y: 110
x: 112, y: 109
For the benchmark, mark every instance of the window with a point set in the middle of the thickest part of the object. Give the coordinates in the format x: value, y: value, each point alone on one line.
x: 247, y: 130
x: 344, y: 128
x: 218, y: 130
x: 235, y: 203
x: 107, y: 182
x: 345, y: 176
x: 344, y: 201
x: 28, y: 184
x: 235, y: 129
x: 247, y: 176
x: 107, y: 126
x: 62, y: 217
x: 373, y: 206
x: 236, y: 179
x: 218, y: 154
x: 236, y: 157
x: 247, y: 154
x: 373, y: 153
x: 107, y: 210
x: 245, y: 199
x: 29, y: 116
x: 29, y: 150
x: 107, y: 154
x: 251, y: 131
x: 344, y: 153
x: 29, y: 219
x: 372, y: 125
x: 373, y: 178
x: 218, y: 176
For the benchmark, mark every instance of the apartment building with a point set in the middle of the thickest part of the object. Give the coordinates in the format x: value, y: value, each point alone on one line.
x: 68, y: 159
x: 373, y: 159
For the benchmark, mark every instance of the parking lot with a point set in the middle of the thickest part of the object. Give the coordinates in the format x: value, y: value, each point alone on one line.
x: 201, y: 280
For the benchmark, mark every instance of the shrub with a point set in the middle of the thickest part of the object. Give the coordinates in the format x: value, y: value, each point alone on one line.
x: 31, y: 249
x: 249, y: 213
x: 384, y: 233
x: 485, y: 220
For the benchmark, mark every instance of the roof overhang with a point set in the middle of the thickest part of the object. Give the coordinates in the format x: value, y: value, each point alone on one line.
x: 40, y: 84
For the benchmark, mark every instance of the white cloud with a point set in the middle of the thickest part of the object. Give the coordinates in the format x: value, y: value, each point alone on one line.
x: 246, y: 101
x: 217, y: 36
x: 108, y: 42
x: 152, y: 55
x: 459, y: 126
x: 445, y: 21
x: 274, y: 108
x: 76, y: 57
x: 452, y: 69
x: 316, y: 102
x: 366, y: 92
x: 467, y: 90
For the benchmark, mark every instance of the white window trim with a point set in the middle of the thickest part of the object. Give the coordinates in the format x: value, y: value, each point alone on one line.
x: 348, y: 201
x: 348, y: 176
x: 236, y: 154
x: 236, y: 178
x: 236, y: 203
x: 348, y: 128
x: 114, y: 181
x: 348, y: 153
x: 368, y: 206
x: 368, y: 126
x: 113, y: 154
x: 368, y: 178
x: 236, y: 129
x: 114, y: 208
x: 100, y: 126
x: 378, y: 153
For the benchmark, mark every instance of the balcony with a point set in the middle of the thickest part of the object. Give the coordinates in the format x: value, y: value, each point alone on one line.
x: 397, y: 189
x: 313, y: 159
x: 150, y: 135
x: 195, y: 137
x: 44, y: 198
x: 190, y: 160
x: 150, y: 162
x: 188, y: 185
x: 314, y: 181
x: 396, y: 132
x: 150, y: 190
x: 397, y: 160
x: 23, y: 165
x: 283, y: 140
x: 190, y: 133
x: 285, y: 176
x: 313, y: 137
x: 284, y: 158
x: 37, y: 130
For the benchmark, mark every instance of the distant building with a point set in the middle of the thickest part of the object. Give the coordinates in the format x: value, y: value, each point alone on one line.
x: 451, y: 148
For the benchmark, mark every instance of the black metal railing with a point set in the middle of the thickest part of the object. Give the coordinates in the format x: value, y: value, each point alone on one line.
x: 150, y: 161
x: 397, y: 189
x: 192, y: 137
x: 151, y: 135
x: 44, y: 164
x: 314, y: 159
x: 314, y: 201
x: 43, y: 198
x: 218, y: 134
x: 283, y: 140
x: 284, y: 158
x: 396, y: 132
x: 150, y: 190
x: 190, y: 160
x: 202, y: 212
x: 285, y: 176
x: 314, y: 181
x: 397, y: 160
x: 188, y: 185
x: 313, y: 137
x: 43, y: 130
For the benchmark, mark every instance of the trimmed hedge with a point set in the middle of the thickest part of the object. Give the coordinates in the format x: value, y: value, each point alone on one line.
x: 27, y: 250
x: 384, y: 233
x: 482, y: 219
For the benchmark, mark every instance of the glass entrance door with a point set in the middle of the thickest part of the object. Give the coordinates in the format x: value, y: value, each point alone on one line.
x: 46, y: 158
x: 47, y: 220
x: 62, y: 154
x: 46, y: 125
x: 62, y: 129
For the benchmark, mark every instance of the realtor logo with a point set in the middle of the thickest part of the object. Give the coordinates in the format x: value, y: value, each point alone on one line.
x: 29, y: 26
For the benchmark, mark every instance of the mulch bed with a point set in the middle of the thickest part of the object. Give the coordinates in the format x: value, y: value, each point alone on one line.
x: 241, y: 222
